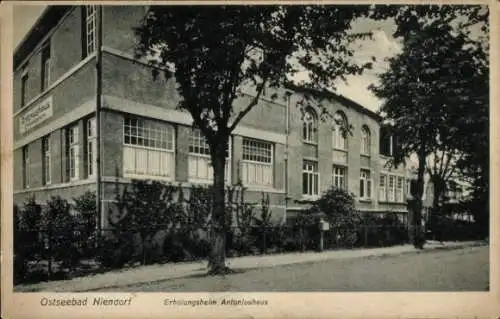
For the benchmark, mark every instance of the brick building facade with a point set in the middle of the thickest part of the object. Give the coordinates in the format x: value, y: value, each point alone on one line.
x: 57, y: 84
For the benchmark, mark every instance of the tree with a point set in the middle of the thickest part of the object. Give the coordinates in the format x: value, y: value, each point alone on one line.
x: 442, y: 168
x: 215, y: 51
x: 440, y: 75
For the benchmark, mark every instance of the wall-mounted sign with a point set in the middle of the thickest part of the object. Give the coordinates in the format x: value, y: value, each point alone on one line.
x: 324, y: 225
x: 36, y: 115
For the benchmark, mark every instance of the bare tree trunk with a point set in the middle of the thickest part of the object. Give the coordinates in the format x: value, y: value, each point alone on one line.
x: 418, y: 239
x: 217, y: 259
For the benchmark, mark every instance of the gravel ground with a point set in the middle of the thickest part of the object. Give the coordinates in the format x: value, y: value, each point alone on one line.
x: 464, y: 269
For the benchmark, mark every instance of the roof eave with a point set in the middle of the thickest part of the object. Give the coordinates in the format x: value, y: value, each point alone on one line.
x: 330, y: 95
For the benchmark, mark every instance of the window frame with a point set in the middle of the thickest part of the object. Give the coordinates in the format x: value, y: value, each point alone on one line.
x: 310, y: 170
x: 91, y: 147
x: 342, y: 177
x: 365, y: 141
x: 254, y: 155
x: 24, y: 86
x: 339, y: 141
x: 169, y: 130
x: 46, y: 66
x: 310, y: 127
x: 160, y: 132
x: 391, y: 189
x: 46, y: 161
x: 73, y: 147
x: 400, y: 182
x: 382, y: 187
x: 365, y: 185
x: 270, y: 150
x: 26, y: 166
x: 202, y: 144
x: 89, y: 30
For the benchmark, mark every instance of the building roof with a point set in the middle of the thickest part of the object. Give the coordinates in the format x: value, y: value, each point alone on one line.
x: 325, y: 94
x: 49, y: 18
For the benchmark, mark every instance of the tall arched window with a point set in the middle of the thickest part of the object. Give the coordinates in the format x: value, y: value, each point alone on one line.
x: 339, y: 133
x: 310, y: 127
x: 365, y: 140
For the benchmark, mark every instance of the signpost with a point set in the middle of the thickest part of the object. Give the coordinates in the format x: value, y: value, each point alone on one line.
x: 323, y: 226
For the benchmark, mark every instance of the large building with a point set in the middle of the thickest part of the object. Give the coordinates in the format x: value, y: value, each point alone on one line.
x: 59, y: 85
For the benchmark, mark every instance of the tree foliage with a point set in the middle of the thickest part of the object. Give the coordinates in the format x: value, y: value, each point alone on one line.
x: 214, y: 52
x: 436, y: 91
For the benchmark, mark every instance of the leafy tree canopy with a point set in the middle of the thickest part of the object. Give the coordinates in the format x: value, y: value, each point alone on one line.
x: 214, y: 51
x: 438, y: 86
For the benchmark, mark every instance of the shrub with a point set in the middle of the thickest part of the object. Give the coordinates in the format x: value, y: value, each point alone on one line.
x: 144, y: 210
x: 244, y: 214
x: 61, y: 227
x: 115, y: 250
x: 86, y: 237
x: 263, y: 225
x: 336, y: 205
x: 383, y: 230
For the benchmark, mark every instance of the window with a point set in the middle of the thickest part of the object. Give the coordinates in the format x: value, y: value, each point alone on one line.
x: 339, y: 134
x: 45, y: 67
x: 339, y: 177
x: 199, y: 162
x: 365, y: 141
x: 90, y: 30
x: 257, y: 163
x: 408, y: 187
x: 24, y: 87
x: 149, y: 148
x: 46, y: 160
x: 310, y: 127
x: 365, y: 185
x: 310, y: 178
x: 392, y: 189
x: 73, y: 153
x: 399, y: 190
x: 382, y: 195
x: 91, y: 157
x: 386, y: 141
x: 26, y: 167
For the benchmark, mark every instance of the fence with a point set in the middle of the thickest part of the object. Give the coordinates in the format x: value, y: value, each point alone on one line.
x: 51, y: 242
x: 59, y: 253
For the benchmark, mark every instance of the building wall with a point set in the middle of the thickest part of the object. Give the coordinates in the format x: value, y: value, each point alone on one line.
x: 129, y: 88
x: 66, y: 52
x: 42, y: 195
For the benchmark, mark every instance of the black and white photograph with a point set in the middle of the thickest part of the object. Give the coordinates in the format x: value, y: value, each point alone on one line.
x: 250, y: 148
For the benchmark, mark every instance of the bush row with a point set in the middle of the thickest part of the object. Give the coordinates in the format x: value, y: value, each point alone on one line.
x: 156, y: 222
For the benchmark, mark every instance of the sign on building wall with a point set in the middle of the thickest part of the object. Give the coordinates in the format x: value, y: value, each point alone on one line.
x: 36, y: 115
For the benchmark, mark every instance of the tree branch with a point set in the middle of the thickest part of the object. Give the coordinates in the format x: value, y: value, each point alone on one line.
x: 249, y: 107
x: 448, y: 161
x: 232, y: 84
x: 450, y: 173
x: 441, y: 161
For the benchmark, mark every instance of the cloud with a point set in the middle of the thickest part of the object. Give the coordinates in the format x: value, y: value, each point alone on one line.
x: 356, y: 89
x: 381, y: 46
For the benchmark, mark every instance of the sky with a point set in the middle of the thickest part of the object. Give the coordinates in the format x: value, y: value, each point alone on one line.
x: 382, y: 46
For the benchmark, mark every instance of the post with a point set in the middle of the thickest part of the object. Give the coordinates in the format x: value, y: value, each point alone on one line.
x: 321, y: 240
